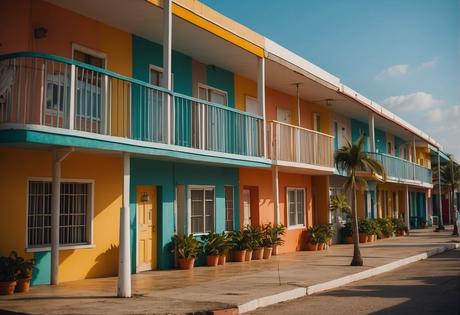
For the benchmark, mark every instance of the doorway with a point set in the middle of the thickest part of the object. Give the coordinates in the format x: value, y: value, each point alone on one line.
x: 146, y: 199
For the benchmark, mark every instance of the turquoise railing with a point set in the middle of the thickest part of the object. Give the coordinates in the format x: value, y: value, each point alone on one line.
x: 402, y: 169
x: 54, y: 91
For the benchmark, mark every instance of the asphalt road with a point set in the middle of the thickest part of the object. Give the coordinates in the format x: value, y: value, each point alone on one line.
x: 427, y: 287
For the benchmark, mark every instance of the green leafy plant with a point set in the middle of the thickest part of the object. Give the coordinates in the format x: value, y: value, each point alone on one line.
x: 386, y: 227
x: 327, y: 231
x: 347, y: 230
x: 240, y: 240
x: 277, y: 232
x: 25, y: 267
x: 340, y: 203
x: 254, y: 236
x: 212, y: 244
x: 364, y: 227
x: 8, y: 267
x: 186, y: 247
x: 227, y: 243
x: 374, y: 227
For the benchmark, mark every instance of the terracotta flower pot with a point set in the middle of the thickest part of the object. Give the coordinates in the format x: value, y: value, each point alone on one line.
x: 370, y: 238
x: 212, y: 261
x: 222, y: 260
x: 349, y: 239
x: 362, y: 238
x: 312, y: 247
x: 258, y: 253
x: 275, y: 250
x: 185, y: 264
x: 23, y: 285
x: 239, y: 255
x: 248, y: 256
x: 7, y: 287
x: 268, y: 252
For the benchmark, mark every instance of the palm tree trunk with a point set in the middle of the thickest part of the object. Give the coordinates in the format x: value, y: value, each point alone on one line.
x: 453, y: 213
x: 357, y: 259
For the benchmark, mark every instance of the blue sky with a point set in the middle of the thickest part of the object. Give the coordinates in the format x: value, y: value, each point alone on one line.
x: 404, y: 54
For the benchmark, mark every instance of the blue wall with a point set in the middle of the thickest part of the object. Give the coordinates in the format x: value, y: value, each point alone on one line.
x: 42, y: 269
x: 358, y: 128
x: 398, y: 143
x: 166, y: 175
x: 223, y: 80
x: 380, y: 141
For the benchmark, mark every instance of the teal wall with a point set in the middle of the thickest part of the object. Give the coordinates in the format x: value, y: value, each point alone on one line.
x: 380, y: 141
x: 223, y: 80
x: 166, y: 175
x: 358, y: 128
x: 398, y: 143
x: 42, y: 269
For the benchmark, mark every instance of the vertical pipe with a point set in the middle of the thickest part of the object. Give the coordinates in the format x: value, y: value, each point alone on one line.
x: 167, y: 47
x: 55, y: 212
x: 414, y: 153
x: 440, y: 223
x: 371, y: 132
x: 261, y: 100
x: 275, y: 181
x: 298, y: 103
x: 407, y: 216
x: 124, y: 261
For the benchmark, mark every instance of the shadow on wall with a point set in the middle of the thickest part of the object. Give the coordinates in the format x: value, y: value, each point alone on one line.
x: 105, y: 264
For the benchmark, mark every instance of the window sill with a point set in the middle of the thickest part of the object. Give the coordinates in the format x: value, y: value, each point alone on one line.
x: 70, y: 247
x: 297, y: 227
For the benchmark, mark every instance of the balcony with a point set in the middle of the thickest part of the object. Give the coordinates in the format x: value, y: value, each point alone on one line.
x: 56, y: 95
x: 300, y: 148
x: 403, y: 171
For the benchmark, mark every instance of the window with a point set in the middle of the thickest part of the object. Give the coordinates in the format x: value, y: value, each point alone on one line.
x: 75, y: 215
x: 213, y: 95
x: 156, y: 76
x: 390, y: 148
x: 201, y: 209
x: 296, y: 207
x: 316, y: 122
x: 252, y: 105
x: 229, y: 209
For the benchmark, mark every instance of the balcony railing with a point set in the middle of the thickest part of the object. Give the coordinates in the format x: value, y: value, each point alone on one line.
x: 402, y: 169
x: 47, y: 90
x: 299, y: 145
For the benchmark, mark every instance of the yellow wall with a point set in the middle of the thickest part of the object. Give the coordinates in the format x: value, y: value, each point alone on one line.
x: 243, y: 87
x: 423, y: 153
x: 16, y: 165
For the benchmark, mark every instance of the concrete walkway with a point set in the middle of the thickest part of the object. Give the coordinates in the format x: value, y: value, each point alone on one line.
x: 242, y: 286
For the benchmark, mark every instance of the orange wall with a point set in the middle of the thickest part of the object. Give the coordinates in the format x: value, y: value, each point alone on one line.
x: 16, y: 165
x: 64, y: 28
x: 295, y: 238
x: 243, y: 87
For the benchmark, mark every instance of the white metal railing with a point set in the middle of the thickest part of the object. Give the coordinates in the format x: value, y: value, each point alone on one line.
x: 295, y: 144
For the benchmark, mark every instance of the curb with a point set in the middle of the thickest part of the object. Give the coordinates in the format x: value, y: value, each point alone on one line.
x: 320, y: 287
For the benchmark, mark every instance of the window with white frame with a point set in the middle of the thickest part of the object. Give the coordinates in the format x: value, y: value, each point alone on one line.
x: 296, y: 207
x: 156, y: 76
x: 75, y: 215
x: 229, y: 208
x: 211, y: 94
x: 202, y: 205
x: 316, y: 122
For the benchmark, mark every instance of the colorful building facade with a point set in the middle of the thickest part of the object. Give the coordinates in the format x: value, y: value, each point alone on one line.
x: 186, y: 121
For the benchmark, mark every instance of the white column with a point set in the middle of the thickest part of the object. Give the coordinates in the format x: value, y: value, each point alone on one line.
x: 166, y: 82
x: 426, y: 206
x: 298, y: 103
x: 261, y: 99
x: 440, y: 223
x: 276, y: 196
x: 371, y: 132
x: 124, y: 257
x: 58, y: 157
x: 407, y: 214
x: 72, y: 98
x: 414, y: 153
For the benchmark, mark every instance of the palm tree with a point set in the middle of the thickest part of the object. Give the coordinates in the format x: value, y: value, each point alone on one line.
x: 450, y: 176
x: 340, y: 203
x: 351, y: 159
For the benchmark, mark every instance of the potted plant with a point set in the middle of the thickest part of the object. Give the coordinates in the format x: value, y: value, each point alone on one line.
x: 277, y: 232
x: 386, y: 227
x: 326, y: 233
x: 363, y: 227
x: 373, y: 230
x: 240, y: 242
x: 314, y: 238
x: 8, y: 272
x: 347, y: 233
x: 24, y: 276
x: 267, y: 240
x: 226, y: 246
x: 212, y: 248
x: 187, y: 249
x: 256, y: 242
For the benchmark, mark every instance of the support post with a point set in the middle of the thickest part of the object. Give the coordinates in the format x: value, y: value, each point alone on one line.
x: 166, y: 81
x: 276, y: 196
x: 261, y: 100
x: 440, y: 223
x: 124, y: 259
x: 426, y: 206
x: 414, y: 154
x: 407, y: 210
x: 298, y: 103
x: 371, y: 132
x: 58, y: 157
x: 72, y: 98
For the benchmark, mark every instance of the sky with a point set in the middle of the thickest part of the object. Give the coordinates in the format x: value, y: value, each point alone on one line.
x: 403, y: 54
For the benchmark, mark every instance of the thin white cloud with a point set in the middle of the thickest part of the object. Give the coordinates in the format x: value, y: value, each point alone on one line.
x: 418, y: 101
x: 393, y: 71
x: 429, y: 64
x: 449, y: 115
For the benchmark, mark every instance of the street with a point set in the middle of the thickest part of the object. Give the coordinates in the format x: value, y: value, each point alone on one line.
x: 427, y: 287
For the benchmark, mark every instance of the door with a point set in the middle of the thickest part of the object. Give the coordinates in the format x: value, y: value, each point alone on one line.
x: 146, y: 199
x: 246, y: 207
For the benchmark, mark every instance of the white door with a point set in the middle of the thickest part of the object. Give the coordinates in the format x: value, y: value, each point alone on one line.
x: 283, y: 115
x: 246, y: 207
x: 252, y: 106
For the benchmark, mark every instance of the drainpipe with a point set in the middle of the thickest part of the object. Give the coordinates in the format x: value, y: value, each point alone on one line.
x: 440, y: 223
x: 124, y: 257
x: 407, y: 208
x: 167, y: 84
x: 298, y: 102
x: 261, y: 101
x: 58, y: 157
x: 275, y: 180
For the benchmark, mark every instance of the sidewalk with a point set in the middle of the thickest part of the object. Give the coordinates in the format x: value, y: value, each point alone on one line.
x: 236, y: 285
